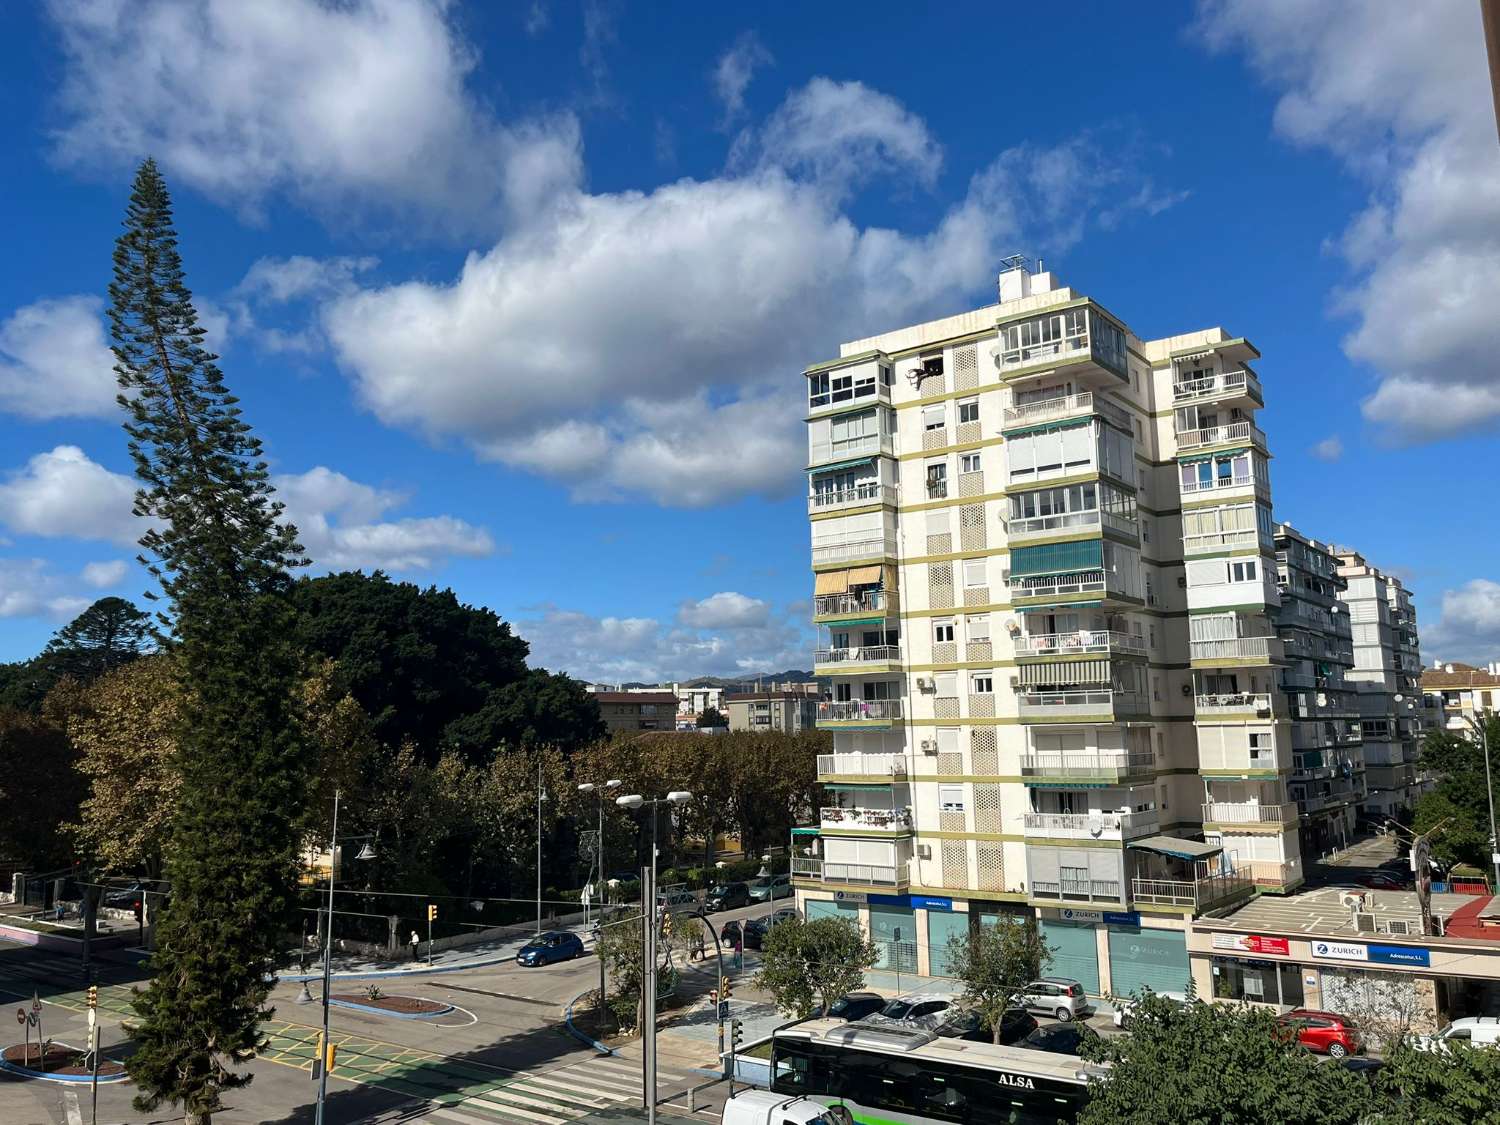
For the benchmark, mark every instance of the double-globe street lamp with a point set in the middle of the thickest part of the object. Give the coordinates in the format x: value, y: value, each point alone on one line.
x: 603, y: 789
x: 648, y: 907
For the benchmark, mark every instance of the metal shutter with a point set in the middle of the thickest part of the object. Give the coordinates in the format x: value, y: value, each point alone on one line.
x: 1154, y: 959
x: 1075, y: 954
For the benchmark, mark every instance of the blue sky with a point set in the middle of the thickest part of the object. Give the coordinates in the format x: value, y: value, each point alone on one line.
x: 517, y: 295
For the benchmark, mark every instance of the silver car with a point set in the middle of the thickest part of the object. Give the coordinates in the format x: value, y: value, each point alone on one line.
x: 1056, y: 996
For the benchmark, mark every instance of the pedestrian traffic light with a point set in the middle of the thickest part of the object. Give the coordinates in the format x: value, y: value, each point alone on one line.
x: 724, y: 990
x: 93, y: 996
x: 328, y: 1057
x: 432, y: 912
x: 135, y: 908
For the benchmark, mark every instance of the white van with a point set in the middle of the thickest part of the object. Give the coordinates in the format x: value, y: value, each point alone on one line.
x: 1481, y: 1031
x: 761, y: 1107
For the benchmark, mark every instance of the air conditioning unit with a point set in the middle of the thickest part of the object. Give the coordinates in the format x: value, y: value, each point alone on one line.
x: 1182, y: 581
x: 929, y: 746
x: 1403, y: 927
x: 1364, y: 923
x: 924, y: 851
x: 1187, y: 689
x: 924, y: 684
x: 1352, y: 900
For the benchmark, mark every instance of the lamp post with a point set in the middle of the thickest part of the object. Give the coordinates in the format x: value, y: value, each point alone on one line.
x: 648, y: 977
x: 1479, y: 728
x: 602, y: 790
x: 365, y: 852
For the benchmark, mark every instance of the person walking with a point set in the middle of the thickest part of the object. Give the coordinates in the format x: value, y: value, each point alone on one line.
x: 415, y: 942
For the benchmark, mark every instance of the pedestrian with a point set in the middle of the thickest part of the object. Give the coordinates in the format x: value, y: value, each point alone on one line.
x: 415, y: 941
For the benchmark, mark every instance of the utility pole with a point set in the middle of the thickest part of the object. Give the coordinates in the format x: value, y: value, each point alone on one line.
x: 541, y: 795
x: 1480, y: 727
x: 648, y: 987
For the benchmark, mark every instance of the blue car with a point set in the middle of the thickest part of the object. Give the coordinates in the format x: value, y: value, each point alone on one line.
x: 545, y: 949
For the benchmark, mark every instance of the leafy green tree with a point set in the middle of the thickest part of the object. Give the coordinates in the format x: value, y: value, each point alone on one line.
x: 222, y: 556
x: 1457, y: 759
x: 1205, y: 1064
x: 108, y: 634
x: 712, y: 719
x: 540, y: 708
x: 40, y: 790
x: 806, y: 966
x: 1456, y: 1086
x: 995, y: 962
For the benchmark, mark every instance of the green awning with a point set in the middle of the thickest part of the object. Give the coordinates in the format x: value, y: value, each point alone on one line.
x: 840, y: 465
x: 1057, y: 558
x: 857, y: 621
x: 1069, y: 784
x: 1029, y: 608
x: 805, y: 831
x: 1059, y: 424
x: 856, y: 785
x: 1176, y: 848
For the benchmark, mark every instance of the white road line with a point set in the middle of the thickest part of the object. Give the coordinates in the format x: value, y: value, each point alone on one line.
x: 70, y: 1103
x: 606, y: 1086
x: 482, y: 1101
x: 570, y: 1097
x: 445, y: 1113
x: 566, y: 1084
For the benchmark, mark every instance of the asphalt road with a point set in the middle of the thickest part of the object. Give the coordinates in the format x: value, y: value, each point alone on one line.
x: 502, y: 1055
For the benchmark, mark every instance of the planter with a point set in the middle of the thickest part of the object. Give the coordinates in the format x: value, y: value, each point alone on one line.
x: 401, y: 1007
x: 61, y: 1064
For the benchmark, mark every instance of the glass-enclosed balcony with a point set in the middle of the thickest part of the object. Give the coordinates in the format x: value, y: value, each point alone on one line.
x: 853, y: 546
x: 1086, y: 343
x: 860, y: 495
x: 1039, y: 766
x: 872, y: 602
x: 862, y: 767
x: 1082, y: 705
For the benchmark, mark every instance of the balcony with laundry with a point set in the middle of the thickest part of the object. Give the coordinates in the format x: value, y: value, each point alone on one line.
x: 862, y: 704
x: 1081, y: 342
x: 846, y: 650
x: 856, y: 596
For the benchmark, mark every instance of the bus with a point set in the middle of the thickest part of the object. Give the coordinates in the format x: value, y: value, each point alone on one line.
x: 913, y: 1076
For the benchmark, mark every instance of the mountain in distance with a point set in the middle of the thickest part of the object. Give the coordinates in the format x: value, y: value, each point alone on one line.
x: 794, y: 676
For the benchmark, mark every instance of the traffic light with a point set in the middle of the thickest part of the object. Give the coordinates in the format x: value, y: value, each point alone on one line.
x: 736, y: 1033
x: 93, y: 996
x: 432, y: 912
x: 724, y: 989
x: 135, y: 908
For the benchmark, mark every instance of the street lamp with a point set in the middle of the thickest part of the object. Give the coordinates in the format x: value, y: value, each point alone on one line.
x: 648, y: 977
x: 1478, y: 726
x: 366, y: 852
x: 602, y: 790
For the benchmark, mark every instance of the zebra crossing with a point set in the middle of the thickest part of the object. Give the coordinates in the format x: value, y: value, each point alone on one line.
x: 554, y: 1097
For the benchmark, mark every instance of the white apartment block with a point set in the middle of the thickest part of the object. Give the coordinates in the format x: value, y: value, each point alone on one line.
x: 1046, y: 591
x: 1459, y: 695
x: 1387, y: 675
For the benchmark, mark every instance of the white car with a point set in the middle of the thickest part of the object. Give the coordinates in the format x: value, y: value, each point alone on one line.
x: 1480, y: 1031
x: 1125, y: 1008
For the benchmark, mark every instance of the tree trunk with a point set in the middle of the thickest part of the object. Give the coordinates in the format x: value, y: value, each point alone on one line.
x: 191, y: 1118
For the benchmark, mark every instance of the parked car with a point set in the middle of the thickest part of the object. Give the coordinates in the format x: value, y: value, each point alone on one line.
x: 726, y: 896
x: 732, y: 934
x: 1056, y: 996
x: 124, y: 898
x: 914, y: 1009
x: 768, y: 890
x: 677, y: 898
x: 1125, y: 1009
x: 855, y: 1006
x: 1382, y: 881
x: 755, y: 929
x: 1481, y: 1031
x: 1368, y: 1068
x: 1328, y: 1033
x: 545, y: 949
x: 1058, y: 1040
x: 1015, y: 1024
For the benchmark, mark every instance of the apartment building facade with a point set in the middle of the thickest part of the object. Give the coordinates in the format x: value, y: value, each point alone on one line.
x: 787, y: 712
x: 1462, y: 694
x: 1045, y: 587
x: 1386, y: 675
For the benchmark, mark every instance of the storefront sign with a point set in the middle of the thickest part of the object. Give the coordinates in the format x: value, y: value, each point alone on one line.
x: 848, y: 896
x: 890, y: 900
x: 1122, y: 918
x: 1372, y: 954
x: 1253, y: 943
x: 931, y: 902
x: 1340, y: 951
x: 1068, y: 914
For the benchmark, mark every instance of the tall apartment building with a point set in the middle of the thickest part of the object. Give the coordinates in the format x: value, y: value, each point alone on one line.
x: 1387, y: 675
x: 1328, y: 767
x: 1045, y: 579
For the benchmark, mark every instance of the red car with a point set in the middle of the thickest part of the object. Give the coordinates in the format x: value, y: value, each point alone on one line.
x: 1383, y: 881
x: 1325, y: 1032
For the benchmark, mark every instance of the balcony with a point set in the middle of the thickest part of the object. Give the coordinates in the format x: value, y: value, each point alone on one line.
x: 1235, y: 812
x: 1245, y: 650
x: 1078, y: 890
x: 1083, y: 705
x: 1224, y: 540
x: 1078, y: 643
x: 1223, y: 384
x: 1028, y: 589
x: 1092, y: 826
x: 845, y: 448
x: 1215, y: 484
x: 1234, y: 433
x: 1065, y: 406
x: 865, y: 390
x: 859, y: 712
x: 937, y: 490
x: 858, y: 874
x: 851, y: 498
x: 863, y: 658
x: 1033, y: 527
x: 1093, y: 765
x: 1208, y: 706
x: 896, y: 821
x: 862, y: 767
x: 872, y: 601
x: 1264, y: 873
x: 1198, y: 893
x: 877, y: 547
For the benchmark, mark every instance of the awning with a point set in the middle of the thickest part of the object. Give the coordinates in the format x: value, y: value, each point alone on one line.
x: 1070, y: 557
x: 805, y: 831
x: 1059, y: 424
x: 1177, y: 849
x: 840, y: 465
x: 866, y: 576
x: 1028, y: 608
x: 831, y: 582
x: 846, y: 622
x: 1031, y: 784
x: 862, y: 785
x: 1060, y: 672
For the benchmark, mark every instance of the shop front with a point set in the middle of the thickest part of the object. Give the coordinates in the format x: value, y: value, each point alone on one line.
x: 1148, y: 958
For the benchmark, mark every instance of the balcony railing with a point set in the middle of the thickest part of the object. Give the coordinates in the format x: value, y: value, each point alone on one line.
x: 1240, y: 701
x: 1077, y: 890
x: 856, y: 710
x: 1093, y: 826
x: 864, y: 654
x: 885, y: 820
x: 1234, y: 812
x: 864, y: 874
x: 937, y: 489
x: 1060, y: 521
x: 1219, y: 540
x: 862, y: 765
x: 1051, y: 585
x: 1265, y: 873
x: 871, y: 601
x: 1068, y: 346
x: 1197, y: 893
x: 849, y: 497
x: 1086, y: 763
x: 1220, y: 383
x: 1191, y: 486
x: 1238, y: 648
x: 869, y: 548
x: 1078, y: 642
x: 1064, y: 406
x: 1218, y: 435
x: 1078, y: 702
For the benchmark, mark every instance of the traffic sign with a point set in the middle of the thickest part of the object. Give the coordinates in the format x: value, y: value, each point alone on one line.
x: 31, y: 1018
x: 36, y: 1004
x: 20, y: 1015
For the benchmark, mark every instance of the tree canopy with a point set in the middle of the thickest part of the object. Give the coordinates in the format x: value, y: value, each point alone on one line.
x: 1457, y: 759
x: 806, y: 966
x: 995, y: 962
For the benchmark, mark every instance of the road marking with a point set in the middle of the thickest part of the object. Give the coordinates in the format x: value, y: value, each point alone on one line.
x: 70, y: 1103
x: 483, y: 1102
x: 572, y: 1083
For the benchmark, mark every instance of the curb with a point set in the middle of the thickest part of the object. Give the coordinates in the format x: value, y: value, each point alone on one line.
x: 373, y: 1010
x: 26, y: 1072
x: 388, y: 974
x: 587, y: 1040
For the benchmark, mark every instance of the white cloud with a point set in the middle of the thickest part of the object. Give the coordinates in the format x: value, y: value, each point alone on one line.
x: 63, y: 494
x: 725, y: 610
x: 621, y: 649
x: 1468, y: 627
x: 1330, y: 448
x: 279, y: 280
x: 28, y: 588
x: 648, y: 343
x: 103, y: 575
x: 360, y: 105
x: 55, y: 362
x: 735, y: 70
x: 1400, y: 93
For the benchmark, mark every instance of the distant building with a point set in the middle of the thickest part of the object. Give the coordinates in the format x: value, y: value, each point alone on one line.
x: 789, y: 712
x: 1465, y: 692
x: 628, y: 711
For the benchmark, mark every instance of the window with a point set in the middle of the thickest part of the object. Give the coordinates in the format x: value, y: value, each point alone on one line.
x: 1266, y: 982
x: 1156, y: 688
x: 1151, y: 635
x: 951, y: 798
x: 978, y: 626
x: 1145, y: 531
x: 1242, y: 571
x: 982, y: 683
x: 969, y: 463
x: 945, y: 684
x: 942, y: 631
x: 934, y: 417
x: 1484, y: 699
x: 974, y: 573
x: 968, y: 410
